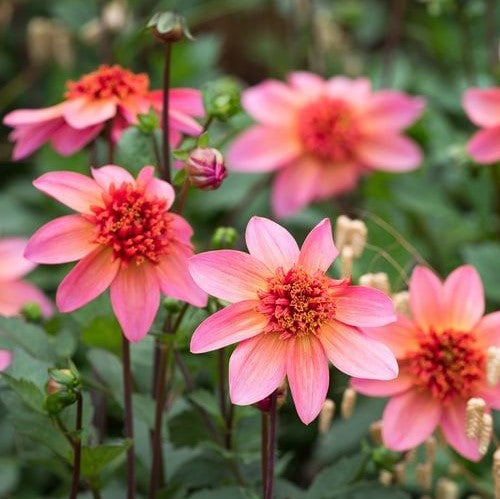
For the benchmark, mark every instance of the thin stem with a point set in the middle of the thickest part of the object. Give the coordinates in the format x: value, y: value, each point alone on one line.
x: 129, y: 423
x: 393, y: 38
x: 77, y: 448
x: 225, y: 411
x: 182, y: 196
x: 111, y: 145
x: 165, y: 121
x: 156, y: 149
x: 64, y: 430
x: 263, y: 451
x: 271, y: 444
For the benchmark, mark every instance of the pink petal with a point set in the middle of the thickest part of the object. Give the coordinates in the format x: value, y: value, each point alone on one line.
x: 389, y: 152
x: 232, y: 324
x: 82, y: 112
x: 409, y: 419
x: 426, y: 296
x: 482, y: 105
x: 337, y: 179
x: 228, y: 274
x: 307, y: 83
x: 263, y: 149
x: 72, y: 189
x: 156, y: 187
x: 318, y: 250
x: 377, y: 388
x: 453, y: 427
x: 308, y: 376
x: 463, y: 301
x: 181, y: 227
x: 295, y: 186
x: 64, y: 239
x: 183, y: 123
x: 12, y: 262
x: 271, y: 243
x: 186, y: 100
x: 118, y: 125
x: 175, y: 279
x: 30, y: 137
x: 491, y: 395
x: 67, y: 140
x: 364, y: 307
x: 356, y: 91
x: 256, y: 368
x: 87, y: 280
x: 271, y: 102
x: 34, y: 116
x: 14, y: 295
x: 356, y: 354
x: 484, y: 146
x: 111, y: 174
x: 488, y: 330
x: 5, y: 359
x: 135, y: 296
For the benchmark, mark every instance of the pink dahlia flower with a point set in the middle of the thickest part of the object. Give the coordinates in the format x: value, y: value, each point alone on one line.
x: 442, y: 354
x: 15, y: 292
x: 5, y: 359
x: 289, y: 317
x: 482, y: 106
x: 320, y: 136
x: 109, y: 94
x: 124, y: 237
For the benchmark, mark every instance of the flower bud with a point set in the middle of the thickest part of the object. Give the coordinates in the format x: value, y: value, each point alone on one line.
x: 493, y: 366
x: 352, y: 233
x: 205, y: 168
x: 379, y: 280
x: 401, y: 302
x: 168, y: 27
x: 326, y: 416
x: 224, y: 238
x: 474, y: 412
x: 114, y: 15
x: 376, y: 432
x: 55, y: 402
x: 221, y: 98
x: 32, y: 312
x: 485, y: 434
x: 348, y: 403
x: 446, y: 489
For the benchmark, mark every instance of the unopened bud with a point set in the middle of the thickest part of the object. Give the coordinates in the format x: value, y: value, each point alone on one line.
x: 264, y: 405
x: 493, y: 366
x: 32, y: 312
x: 401, y: 303
x: 205, y: 168
x: 348, y: 403
x: 423, y: 475
x: 221, y: 98
x: 53, y: 386
x: 114, y: 15
x: 62, y: 47
x: 148, y: 122
x: 351, y: 233
x: 496, y: 473
x: 347, y: 257
x: 224, y: 238
x: 446, y: 489
x: 92, y: 31
x: 379, y: 280
x: 385, y: 477
x: 326, y: 416
x: 400, y: 473
x: 485, y: 434
x: 376, y: 432
x: 55, y: 402
x: 430, y: 449
x: 39, y: 40
x: 168, y: 27
x: 474, y: 416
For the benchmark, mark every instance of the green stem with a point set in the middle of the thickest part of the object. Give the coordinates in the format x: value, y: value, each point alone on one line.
x: 263, y: 451
x: 271, y: 444
x: 129, y: 423
x: 77, y: 448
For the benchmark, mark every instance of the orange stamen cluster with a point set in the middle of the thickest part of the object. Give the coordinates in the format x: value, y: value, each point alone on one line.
x: 297, y: 303
x: 134, y: 225
x: 448, y: 364
x: 328, y: 129
x: 107, y: 82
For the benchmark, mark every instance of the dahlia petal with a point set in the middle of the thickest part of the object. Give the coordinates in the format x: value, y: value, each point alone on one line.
x: 389, y: 152
x: 263, y: 149
x: 337, y: 179
x: 356, y: 354
x: 491, y: 395
x: 34, y: 116
x: 156, y: 187
x: 182, y: 229
x: 183, y: 122
x: 175, y: 279
x: 318, y: 250
x: 271, y: 244
x: 377, y: 388
x: 118, y: 126
x: 295, y: 186
x: 453, y: 427
x: 488, y: 329
x: 5, y: 359
x: 12, y: 262
x: 482, y: 106
x: 14, y: 295
x: 409, y: 419
x: 232, y: 324
x: 484, y: 146
x: 87, y: 280
x: 463, y: 300
x: 30, y: 137
x: 67, y: 140
x: 307, y: 83
x: 228, y: 274
x: 186, y: 100
x: 308, y: 376
x: 82, y: 112
x: 356, y: 91
x: 72, y: 189
x: 256, y: 368
x: 135, y: 297
x: 426, y: 296
x: 364, y: 307
x: 111, y: 174
x: 64, y: 239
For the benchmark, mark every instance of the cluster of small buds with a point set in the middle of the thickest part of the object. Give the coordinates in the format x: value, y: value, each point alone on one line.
x: 478, y: 423
x: 379, y: 280
x: 350, y: 238
x: 496, y: 473
x: 401, y: 302
x: 348, y: 403
x: 493, y: 366
x: 446, y: 489
x: 385, y: 477
x: 205, y: 168
x: 376, y: 432
x: 326, y: 416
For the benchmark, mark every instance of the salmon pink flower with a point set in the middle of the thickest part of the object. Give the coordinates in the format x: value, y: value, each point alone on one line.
x: 5, y: 359
x: 111, y: 94
x: 442, y: 354
x: 320, y: 136
x: 124, y: 237
x: 289, y: 317
x: 15, y: 292
x: 482, y: 105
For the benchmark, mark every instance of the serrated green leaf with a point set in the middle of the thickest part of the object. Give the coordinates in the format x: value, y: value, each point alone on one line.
x: 206, y: 400
x: 28, y: 391
x: 95, y: 459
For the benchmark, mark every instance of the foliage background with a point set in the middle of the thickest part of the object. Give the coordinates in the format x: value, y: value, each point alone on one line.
x: 448, y: 210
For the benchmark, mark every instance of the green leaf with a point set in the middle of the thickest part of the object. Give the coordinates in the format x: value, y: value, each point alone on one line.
x: 9, y: 475
x: 95, y: 459
x: 135, y: 149
x: 228, y: 492
x: 28, y: 391
x: 486, y: 258
x: 206, y: 400
x: 109, y: 369
x: 203, y: 140
x: 103, y: 332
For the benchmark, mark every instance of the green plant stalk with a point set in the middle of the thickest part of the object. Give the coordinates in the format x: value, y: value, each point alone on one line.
x: 129, y: 422
x: 77, y: 448
x: 271, y: 444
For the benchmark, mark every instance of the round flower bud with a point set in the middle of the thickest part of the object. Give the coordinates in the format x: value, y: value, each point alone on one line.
x: 224, y: 238
x: 221, y: 98
x: 205, y: 168
x: 168, y: 27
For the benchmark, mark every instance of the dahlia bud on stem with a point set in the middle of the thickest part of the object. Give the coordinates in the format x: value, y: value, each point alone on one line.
x: 205, y: 168
x: 350, y: 238
x: 348, y: 403
x: 493, y: 366
x: 379, y: 280
x: 474, y: 416
x: 326, y: 416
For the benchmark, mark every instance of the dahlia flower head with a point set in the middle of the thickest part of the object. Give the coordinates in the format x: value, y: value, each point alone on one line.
x: 124, y: 238
x: 442, y: 355
x: 482, y: 106
x: 288, y: 317
x: 15, y: 292
x: 110, y: 95
x: 321, y: 135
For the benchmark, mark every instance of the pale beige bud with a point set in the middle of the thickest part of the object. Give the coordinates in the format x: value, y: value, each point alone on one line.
x: 348, y: 403
x: 430, y: 449
x: 400, y: 473
x: 351, y: 233
x: 385, y: 477
x: 115, y: 15
x: 410, y: 456
x: 326, y: 416
x: 376, y: 432
x: 347, y: 257
x: 446, y: 489
x: 474, y: 416
x: 493, y: 366
x: 62, y: 46
x: 401, y: 303
x: 423, y: 475
x: 342, y: 231
x: 496, y: 473
x: 485, y: 434
x: 92, y: 31
x: 378, y: 280
x: 39, y: 40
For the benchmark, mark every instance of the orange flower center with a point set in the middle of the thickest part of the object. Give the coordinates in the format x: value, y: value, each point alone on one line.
x: 449, y: 364
x: 296, y: 302
x: 135, y: 226
x: 107, y: 82
x: 328, y: 129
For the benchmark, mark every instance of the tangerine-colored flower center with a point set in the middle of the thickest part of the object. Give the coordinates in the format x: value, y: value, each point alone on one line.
x: 297, y: 302
x: 328, y: 129
x: 449, y: 364
x: 106, y: 82
x: 134, y: 225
